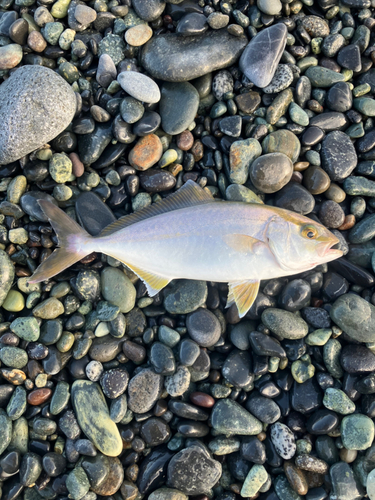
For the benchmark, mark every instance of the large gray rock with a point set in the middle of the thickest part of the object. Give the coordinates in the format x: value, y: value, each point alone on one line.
x: 262, y: 55
x: 202, y: 54
x: 355, y: 316
x: 36, y: 105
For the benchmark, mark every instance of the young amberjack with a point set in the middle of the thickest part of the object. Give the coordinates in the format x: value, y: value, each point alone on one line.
x: 190, y: 235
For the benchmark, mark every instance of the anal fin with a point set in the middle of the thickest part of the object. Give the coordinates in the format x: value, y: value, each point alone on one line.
x: 243, y: 294
x: 153, y: 282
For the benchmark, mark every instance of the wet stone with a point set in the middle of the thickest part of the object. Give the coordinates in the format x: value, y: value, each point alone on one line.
x: 203, y: 327
x: 204, y: 53
x: 96, y: 424
x: 339, y: 97
x: 354, y: 316
x: 237, y: 369
x: 185, y: 296
x: 229, y: 418
x: 193, y: 471
x: 267, y: 47
x: 283, y: 440
x: 265, y: 409
x: 357, y: 432
x: 144, y: 390
x: 242, y: 154
x: 338, y: 155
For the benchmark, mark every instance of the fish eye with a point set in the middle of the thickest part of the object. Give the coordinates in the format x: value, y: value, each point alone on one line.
x: 309, y: 232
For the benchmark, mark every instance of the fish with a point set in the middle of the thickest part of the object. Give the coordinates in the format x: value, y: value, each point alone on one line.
x: 190, y: 235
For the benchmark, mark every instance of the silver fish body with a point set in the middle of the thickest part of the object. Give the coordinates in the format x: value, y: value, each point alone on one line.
x: 192, y: 236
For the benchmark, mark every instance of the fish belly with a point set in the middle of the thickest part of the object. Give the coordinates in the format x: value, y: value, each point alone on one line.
x: 189, y: 243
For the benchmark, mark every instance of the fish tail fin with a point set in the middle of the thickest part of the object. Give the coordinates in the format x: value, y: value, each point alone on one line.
x: 73, y: 241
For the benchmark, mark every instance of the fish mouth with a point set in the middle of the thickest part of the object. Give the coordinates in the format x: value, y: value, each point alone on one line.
x: 326, y: 251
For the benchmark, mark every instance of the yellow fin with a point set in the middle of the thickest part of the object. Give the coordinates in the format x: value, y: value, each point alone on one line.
x: 243, y: 243
x: 243, y: 294
x: 153, y: 282
x: 189, y: 195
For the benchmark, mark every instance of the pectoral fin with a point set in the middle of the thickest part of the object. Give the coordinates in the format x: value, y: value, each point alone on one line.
x: 243, y: 294
x: 243, y: 243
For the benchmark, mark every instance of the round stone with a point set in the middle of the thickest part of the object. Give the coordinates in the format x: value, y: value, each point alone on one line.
x: 270, y: 172
x: 51, y: 104
x: 357, y: 432
x: 118, y: 289
x: 270, y: 8
x: 316, y: 180
x: 203, y: 327
x: 14, y: 301
x: 144, y: 390
x: 60, y: 168
x: 10, y: 56
x: 282, y: 141
x: 139, y: 86
x: 138, y: 35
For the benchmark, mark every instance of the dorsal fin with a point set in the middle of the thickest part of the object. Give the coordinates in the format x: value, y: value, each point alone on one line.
x: 189, y: 195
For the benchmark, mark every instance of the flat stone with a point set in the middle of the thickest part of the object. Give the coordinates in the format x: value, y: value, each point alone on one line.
x: 270, y: 172
x: 282, y: 141
x: 118, y: 289
x: 10, y: 56
x: 212, y: 51
x: 315, y: 26
x: 283, y: 440
x: 139, y: 86
x: 255, y: 479
x: 241, y: 155
x: 193, y: 471
x: 84, y: 14
x: 146, y: 152
x: 93, y: 417
x: 284, y: 324
x: 260, y: 58
x: 185, y: 296
x: 339, y: 157
x: 323, y: 77
x: 178, y: 106
x: 50, y: 109
x: 144, y: 390
x: 229, y: 418
x: 340, y: 97
x: 138, y: 35
x: 167, y: 494
x: 355, y: 316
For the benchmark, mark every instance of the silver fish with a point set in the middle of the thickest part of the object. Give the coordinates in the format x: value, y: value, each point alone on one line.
x: 190, y: 235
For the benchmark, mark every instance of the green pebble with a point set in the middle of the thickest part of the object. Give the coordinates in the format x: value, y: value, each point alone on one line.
x: 316, y: 45
x: 26, y: 328
x: 32, y: 299
x: 13, y: 357
x: 304, y: 447
x: 279, y: 105
x: 16, y: 188
x: 52, y: 31
x: 85, y: 307
x: 319, y: 337
x: 365, y: 105
x: 185, y: 296
x: 62, y: 193
x: 19, y: 236
x: 361, y: 90
x: 44, y: 154
x: 313, y: 157
x: 25, y: 286
x: 5, y: 430
x: 14, y: 301
x: 284, y: 324
x: 60, y: 398
x: 355, y: 131
x: 224, y: 446
x: 17, y: 404
x: 66, y: 341
x: 60, y: 8
x: 118, y: 408
x: 6, y: 275
x: 71, y: 74
x: 298, y: 115
x: 237, y: 192
x: 230, y: 418
x: 218, y: 109
x: 302, y: 370
x: 77, y: 483
x: 167, y: 494
x: 255, y: 479
x: 60, y: 168
x: 323, y: 77
x: 331, y: 355
x: 60, y: 290
x: 359, y: 186
x: 170, y: 156
x: 65, y: 41
x: 49, y: 309
x: 284, y: 490
x: 273, y: 364
x: 168, y: 336
x: 336, y: 400
x: 105, y: 311
x: 20, y: 436
x: 118, y: 289
x: 357, y: 432
x: 219, y: 391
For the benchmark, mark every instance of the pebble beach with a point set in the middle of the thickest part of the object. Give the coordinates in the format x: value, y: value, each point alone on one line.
x: 110, y: 106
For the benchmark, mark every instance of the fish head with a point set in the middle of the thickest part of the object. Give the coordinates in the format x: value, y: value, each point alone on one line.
x: 299, y: 243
